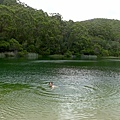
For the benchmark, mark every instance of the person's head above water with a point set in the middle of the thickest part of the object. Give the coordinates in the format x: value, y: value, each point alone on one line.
x: 50, y: 84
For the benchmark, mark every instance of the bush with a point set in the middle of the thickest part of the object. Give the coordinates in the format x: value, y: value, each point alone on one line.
x: 68, y: 54
x: 22, y: 53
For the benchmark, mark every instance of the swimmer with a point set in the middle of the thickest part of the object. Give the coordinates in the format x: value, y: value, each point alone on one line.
x: 51, y: 85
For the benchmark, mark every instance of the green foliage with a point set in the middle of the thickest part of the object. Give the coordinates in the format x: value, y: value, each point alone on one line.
x: 68, y: 54
x: 1, y: 1
x: 4, y: 46
x: 14, y: 45
x: 9, y: 2
x: 24, y: 29
x: 22, y: 53
x: 31, y: 48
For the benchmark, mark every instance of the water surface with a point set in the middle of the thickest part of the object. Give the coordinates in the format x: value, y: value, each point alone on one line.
x: 86, y: 90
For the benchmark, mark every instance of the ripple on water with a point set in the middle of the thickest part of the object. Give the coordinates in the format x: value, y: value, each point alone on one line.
x: 11, y: 100
x: 81, y: 93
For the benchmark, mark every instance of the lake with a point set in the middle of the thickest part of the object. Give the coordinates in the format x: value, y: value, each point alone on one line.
x: 85, y: 90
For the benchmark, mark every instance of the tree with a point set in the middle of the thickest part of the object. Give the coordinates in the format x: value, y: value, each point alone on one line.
x: 31, y: 30
x: 4, y: 46
x: 1, y: 1
x: 9, y: 2
x: 6, y: 22
x: 14, y: 45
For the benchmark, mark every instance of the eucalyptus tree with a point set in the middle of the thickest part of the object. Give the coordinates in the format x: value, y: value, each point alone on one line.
x: 6, y: 22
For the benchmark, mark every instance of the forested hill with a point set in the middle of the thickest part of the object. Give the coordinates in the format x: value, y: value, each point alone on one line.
x: 24, y: 29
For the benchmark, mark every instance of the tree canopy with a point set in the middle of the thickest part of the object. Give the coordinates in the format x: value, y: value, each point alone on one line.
x: 23, y: 28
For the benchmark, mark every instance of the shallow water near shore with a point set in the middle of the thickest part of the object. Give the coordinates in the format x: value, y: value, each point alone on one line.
x: 86, y: 90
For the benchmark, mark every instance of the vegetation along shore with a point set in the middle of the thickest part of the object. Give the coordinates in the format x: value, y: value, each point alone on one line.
x: 26, y: 30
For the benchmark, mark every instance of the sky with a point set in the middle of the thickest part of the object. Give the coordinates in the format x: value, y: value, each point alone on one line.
x: 79, y: 10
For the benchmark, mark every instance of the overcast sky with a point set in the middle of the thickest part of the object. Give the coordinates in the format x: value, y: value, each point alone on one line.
x: 79, y: 10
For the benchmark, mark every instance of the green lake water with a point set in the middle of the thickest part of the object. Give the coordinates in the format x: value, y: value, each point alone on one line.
x: 85, y: 90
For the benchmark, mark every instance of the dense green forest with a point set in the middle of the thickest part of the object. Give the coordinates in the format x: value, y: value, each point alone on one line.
x: 24, y: 29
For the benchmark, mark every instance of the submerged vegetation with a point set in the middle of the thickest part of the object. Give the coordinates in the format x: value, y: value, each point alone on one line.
x: 26, y: 30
